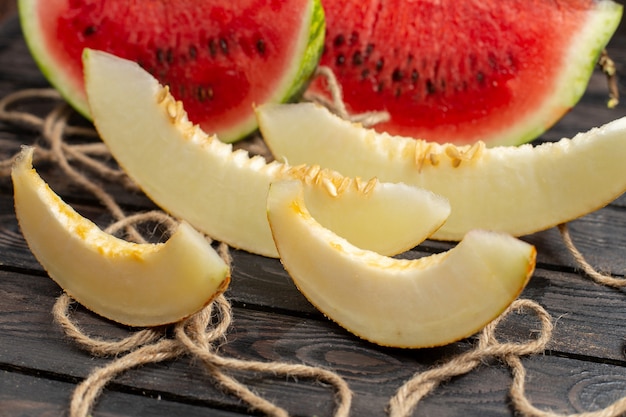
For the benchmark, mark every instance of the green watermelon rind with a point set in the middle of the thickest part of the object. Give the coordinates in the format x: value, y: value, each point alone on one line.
x: 55, y: 75
x: 305, y: 62
x: 294, y: 81
x: 578, y: 69
x: 312, y: 54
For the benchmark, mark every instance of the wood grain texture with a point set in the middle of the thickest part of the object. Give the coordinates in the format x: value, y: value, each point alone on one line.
x: 582, y: 370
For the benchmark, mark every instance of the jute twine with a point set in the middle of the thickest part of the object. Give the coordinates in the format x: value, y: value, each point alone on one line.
x: 196, y: 336
x: 200, y: 336
x: 335, y: 102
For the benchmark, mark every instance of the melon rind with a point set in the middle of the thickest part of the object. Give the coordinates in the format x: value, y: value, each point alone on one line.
x: 535, y: 68
x: 572, y: 83
x: 137, y: 284
x: 517, y: 190
x: 70, y: 89
x: 311, y: 41
x: 308, y: 60
x: 294, y: 81
x: 222, y: 192
x: 425, y: 302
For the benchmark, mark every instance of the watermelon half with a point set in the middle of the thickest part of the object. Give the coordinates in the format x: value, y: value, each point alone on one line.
x: 219, y: 58
x: 465, y: 70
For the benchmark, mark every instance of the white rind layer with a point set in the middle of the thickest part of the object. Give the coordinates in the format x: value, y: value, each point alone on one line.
x: 517, y: 190
x: 424, y: 302
x: 223, y: 193
x: 134, y: 284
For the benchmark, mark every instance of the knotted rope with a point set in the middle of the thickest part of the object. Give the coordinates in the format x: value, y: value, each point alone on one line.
x: 335, y: 102
x: 195, y: 336
x: 199, y: 336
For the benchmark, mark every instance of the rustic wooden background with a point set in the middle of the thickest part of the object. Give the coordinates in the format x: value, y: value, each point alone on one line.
x: 583, y: 368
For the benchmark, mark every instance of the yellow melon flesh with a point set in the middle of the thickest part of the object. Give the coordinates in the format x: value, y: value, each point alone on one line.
x: 518, y: 190
x: 130, y: 283
x: 402, y: 303
x: 223, y: 193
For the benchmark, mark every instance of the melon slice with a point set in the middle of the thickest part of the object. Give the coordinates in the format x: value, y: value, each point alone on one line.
x: 220, y: 58
x: 130, y: 283
x: 424, y: 302
x: 223, y: 193
x: 460, y: 71
x: 517, y: 190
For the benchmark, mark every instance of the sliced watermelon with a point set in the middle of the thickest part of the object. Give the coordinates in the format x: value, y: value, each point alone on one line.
x: 219, y: 58
x: 465, y: 70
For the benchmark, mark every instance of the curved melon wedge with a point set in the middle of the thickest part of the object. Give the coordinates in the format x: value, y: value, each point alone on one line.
x: 130, y: 283
x: 418, y: 303
x: 223, y: 193
x: 517, y: 190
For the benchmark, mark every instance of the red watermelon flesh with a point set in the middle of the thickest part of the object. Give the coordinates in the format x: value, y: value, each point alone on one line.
x: 465, y: 70
x: 219, y: 58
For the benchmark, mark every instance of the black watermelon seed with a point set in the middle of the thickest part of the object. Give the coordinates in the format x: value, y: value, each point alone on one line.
x: 89, y: 30
x: 369, y: 49
x: 365, y: 73
x: 169, y: 56
x: 380, y: 64
x: 204, y: 94
x: 397, y: 75
x: 380, y: 86
x: 193, y: 52
x: 415, y: 76
x: 480, y: 77
x: 340, y: 60
x: 160, y: 55
x: 224, y: 46
x: 339, y: 40
x: 430, y: 87
x: 212, y: 47
x: 357, y: 58
x: 260, y: 46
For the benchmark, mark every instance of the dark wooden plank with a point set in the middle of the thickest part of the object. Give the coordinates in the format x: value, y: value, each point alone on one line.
x: 7, y: 9
x: 30, y: 342
x: 52, y: 399
x: 590, y: 316
x: 582, y: 371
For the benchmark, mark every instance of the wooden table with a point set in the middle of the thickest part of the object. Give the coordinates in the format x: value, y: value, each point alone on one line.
x: 582, y: 369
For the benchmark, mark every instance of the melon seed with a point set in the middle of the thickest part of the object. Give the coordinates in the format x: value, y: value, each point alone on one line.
x: 89, y: 30
x: 339, y: 40
x: 159, y: 55
x: 397, y: 75
x: 380, y: 64
x: 204, y: 93
x: 212, y: 47
x: 414, y: 76
x: 430, y: 87
x: 224, y: 46
x: 260, y: 46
